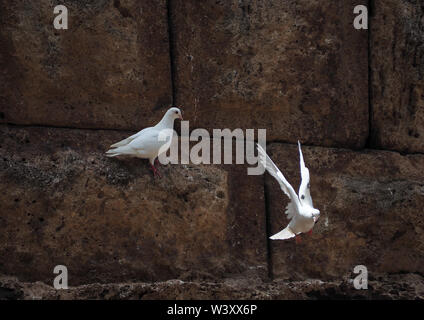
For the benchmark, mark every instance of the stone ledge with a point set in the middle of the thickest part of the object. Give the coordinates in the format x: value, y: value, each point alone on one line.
x: 388, y: 287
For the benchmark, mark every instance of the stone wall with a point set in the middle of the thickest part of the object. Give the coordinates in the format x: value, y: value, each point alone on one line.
x: 113, y: 59
x: 397, y: 76
x: 297, y: 68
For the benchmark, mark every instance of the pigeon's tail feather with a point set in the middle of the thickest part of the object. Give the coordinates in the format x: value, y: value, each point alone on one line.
x: 283, y: 235
x: 119, y: 151
x: 121, y: 143
x: 125, y: 141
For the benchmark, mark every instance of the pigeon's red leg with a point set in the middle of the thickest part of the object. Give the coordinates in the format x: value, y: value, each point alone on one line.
x: 310, y: 232
x: 158, y: 173
x: 157, y: 161
x: 298, y: 239
x: 155, y: 171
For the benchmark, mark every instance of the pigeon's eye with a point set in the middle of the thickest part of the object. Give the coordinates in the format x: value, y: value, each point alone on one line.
x: 176, y: 112
x: 309, y: 186
x: 303, y: 196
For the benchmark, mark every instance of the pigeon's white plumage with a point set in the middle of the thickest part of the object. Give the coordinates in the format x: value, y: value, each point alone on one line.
x: 149, y: 142
x: 300, y: 210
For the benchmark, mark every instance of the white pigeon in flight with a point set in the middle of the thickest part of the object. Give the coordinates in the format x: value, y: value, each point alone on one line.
x: 300, y: 210
x: 149, y: 142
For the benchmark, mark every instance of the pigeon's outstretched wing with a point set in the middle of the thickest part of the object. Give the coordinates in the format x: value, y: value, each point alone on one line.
x: 304, y: 189
x: 294, y: 205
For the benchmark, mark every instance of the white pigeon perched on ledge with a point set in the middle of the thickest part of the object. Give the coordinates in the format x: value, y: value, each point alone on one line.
x: 147, y: 144
x: 300, y: 210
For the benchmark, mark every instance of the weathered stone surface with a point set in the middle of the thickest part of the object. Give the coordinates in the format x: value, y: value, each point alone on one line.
x: 371, y: 213
x: 110, y: 69
x: 408, y: 286
x: 297, y: 68
x: 63, y: 202
x: 397, y: 66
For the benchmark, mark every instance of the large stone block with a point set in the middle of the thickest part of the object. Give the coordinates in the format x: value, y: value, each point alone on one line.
x: 371, y: 213
x: 397, y: 66
x: 110, y: 69
x: 297, y: 68
x: 108, y: 220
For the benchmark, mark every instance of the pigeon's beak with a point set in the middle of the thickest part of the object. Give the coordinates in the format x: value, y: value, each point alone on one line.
x: 181, y: 117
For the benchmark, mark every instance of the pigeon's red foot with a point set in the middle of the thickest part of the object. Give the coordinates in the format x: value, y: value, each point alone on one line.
x: 155, y: 171
x: 298, y: 239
